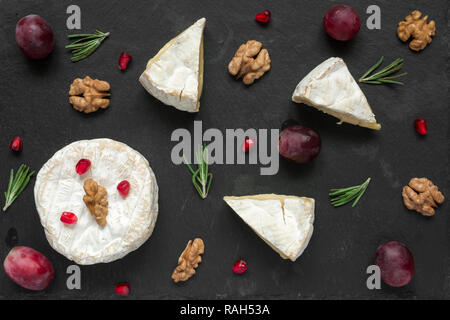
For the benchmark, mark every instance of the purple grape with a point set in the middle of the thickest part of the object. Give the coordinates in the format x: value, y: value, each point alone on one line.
x: 396, y: 263
x: 341, y: 22
x: 299, y: 143
x: 34, y: 36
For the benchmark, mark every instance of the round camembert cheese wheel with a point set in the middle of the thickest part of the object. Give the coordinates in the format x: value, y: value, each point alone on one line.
x: 130, y: 219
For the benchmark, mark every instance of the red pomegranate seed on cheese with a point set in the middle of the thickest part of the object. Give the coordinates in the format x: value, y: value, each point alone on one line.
x: 69, y: 218
x: 83, y: 166
x: 124, y: 188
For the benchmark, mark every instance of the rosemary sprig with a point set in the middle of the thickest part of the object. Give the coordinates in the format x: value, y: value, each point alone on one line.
x: 343, y: 196
x: 17, y: 184
x: 201, y: 179
x: 86, y: 44
x: 384, y: 75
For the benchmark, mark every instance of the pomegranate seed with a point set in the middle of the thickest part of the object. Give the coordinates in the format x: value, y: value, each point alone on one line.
x: 16, y: 144
x: 82, y: 166
x: 248, y: 144
x: 124, y: 188
x: 421, y: 126
x: 122, y: 289
x: 124, y: 59
x: 240, y: 266
x: 69, y: 218
x: 263, y: 16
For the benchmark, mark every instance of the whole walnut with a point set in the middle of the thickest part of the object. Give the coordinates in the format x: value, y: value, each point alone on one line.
x: 418, y: 28
x: 88, y: 95
x: 422, y: 196
x: 250, y: 62
x: 96, y: 201
x: 189, y: 260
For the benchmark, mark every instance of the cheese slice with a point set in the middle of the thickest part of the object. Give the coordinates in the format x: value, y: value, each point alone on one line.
x: 331, y: 88
x: 175, y: 75
x: 285, y: 223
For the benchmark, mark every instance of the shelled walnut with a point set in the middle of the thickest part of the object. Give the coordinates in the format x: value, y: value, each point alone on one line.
x: 96, y: 201
x: 189, y: 260
x: 244, y: 64
x: 418, y: 28
x: 422, y: 196
x: 88, y: 95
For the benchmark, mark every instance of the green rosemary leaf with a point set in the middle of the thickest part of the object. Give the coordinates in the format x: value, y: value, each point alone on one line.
x: 82, y: 35
x: 17, y: 183
x: 201, y: 179
x: 391, y: 81
x: 396, y: 76
x: 11, y: 176
x: 82, y: 53
x: 372, y: 82
x: 187, y: 163
x: 376, y: 65
x: 343, y: 196
x: 24, y: 183
x: 210, y: 177
x: 341, y: 191
x: 17, y: 179
x: 196, y: 185
x: 363, y: 189
x: 81, y: 42
x: 384, y: 74
x: 86, y: 44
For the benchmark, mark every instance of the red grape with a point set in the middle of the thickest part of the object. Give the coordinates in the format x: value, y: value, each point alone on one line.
x: 396, y: 263
x: 29, y: 268
x: 299, y: 143
x: 34, y: 36
x: 341, y: 22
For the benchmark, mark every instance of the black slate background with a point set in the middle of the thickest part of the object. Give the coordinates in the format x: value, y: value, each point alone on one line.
x: 34, y: 104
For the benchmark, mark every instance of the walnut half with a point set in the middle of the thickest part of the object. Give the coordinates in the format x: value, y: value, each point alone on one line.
x: 96, y: 201
x: 422, y: 196
x: 250, y: 62
x: 418, y: 28
x: 88, y: 95
x: 189, y: 260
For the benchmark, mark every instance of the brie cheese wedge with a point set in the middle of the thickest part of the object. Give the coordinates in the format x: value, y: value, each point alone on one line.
x: 175, y: 75
x: 130, y: 220
x: 285, y: 223
x: 331, y: 88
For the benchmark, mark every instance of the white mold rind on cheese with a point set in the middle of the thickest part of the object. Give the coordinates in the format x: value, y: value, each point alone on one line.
x: 175, y: 75
x: 285, y: 223
x: 331, y: 88
x: 130, y: 220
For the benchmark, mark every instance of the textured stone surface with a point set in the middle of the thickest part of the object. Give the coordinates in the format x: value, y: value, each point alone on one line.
x: 34, y: 104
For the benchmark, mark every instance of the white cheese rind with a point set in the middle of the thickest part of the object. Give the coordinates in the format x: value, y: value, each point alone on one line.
x: 332, y: 89
x: 130, y: 220
x: 174, y: 75
x: 285, y: 223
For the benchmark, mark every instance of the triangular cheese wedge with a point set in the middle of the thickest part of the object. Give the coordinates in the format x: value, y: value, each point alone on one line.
x: 285, y: 223
x: 331, y: 88
x: 175, y: 75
